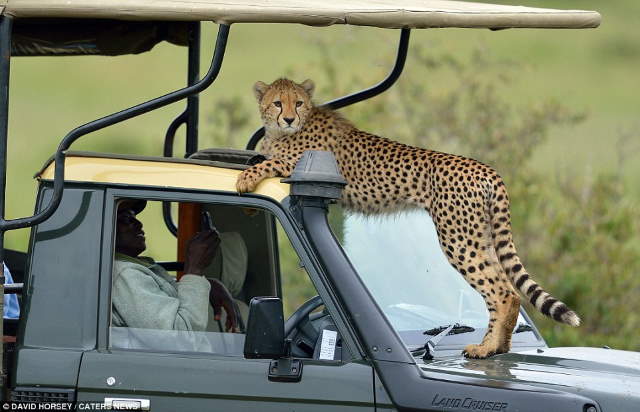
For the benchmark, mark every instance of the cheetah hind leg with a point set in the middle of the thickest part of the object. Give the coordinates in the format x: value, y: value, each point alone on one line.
x: 501, y: 323
x: 502, y: 301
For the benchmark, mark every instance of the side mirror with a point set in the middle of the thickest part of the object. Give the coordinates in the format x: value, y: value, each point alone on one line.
x: 265, y: 329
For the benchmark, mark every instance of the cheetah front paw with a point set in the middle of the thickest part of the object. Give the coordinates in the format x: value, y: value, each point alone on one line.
x: 481, y: 351
x: 247, y: 181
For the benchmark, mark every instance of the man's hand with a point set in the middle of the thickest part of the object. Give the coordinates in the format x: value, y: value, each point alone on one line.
x: 221, y: 298
x: 201, y: 250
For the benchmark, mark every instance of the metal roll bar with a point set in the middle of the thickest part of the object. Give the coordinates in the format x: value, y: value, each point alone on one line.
x: 110, y: 120
x: 401, y: 57
x: 188, y: 117
x: 6, y: 24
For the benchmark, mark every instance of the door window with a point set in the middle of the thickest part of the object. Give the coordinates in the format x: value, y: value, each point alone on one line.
x: 167, y: 290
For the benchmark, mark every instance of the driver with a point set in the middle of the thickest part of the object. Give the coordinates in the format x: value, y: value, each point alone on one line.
x: 146, y: 296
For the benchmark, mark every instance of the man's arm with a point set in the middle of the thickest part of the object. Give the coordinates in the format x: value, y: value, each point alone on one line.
x: 142, y: 303
x: 202, y: 248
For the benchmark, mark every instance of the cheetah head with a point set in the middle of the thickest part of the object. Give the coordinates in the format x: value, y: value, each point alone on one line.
x: 284, y: 105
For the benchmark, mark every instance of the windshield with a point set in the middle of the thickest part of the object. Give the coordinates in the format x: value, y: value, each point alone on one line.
x: 399, y: 259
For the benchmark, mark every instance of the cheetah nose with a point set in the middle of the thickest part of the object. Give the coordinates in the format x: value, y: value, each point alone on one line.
x: 289, y: 120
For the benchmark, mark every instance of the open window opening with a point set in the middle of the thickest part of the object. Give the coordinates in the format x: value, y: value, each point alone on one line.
x: 167, y: 291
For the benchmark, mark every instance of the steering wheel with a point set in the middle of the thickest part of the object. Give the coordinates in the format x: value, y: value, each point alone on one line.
x: 301, y: 314
x: 300, y: 331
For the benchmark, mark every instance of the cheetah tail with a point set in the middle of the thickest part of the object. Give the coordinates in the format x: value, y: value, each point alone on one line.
x: 509, y: 260
x: 541, y: 299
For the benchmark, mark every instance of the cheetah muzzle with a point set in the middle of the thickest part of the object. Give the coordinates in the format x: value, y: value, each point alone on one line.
x: 466, y: 199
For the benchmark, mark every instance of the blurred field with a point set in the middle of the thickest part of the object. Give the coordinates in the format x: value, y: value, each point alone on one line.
x: 589, y: 70
x: 594, y: 72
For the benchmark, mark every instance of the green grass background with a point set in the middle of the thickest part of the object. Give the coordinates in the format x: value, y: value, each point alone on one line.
x: 591, y: 70
x: 595, y: 71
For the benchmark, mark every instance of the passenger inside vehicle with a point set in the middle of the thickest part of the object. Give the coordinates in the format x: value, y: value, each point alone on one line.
x: 146, y: 296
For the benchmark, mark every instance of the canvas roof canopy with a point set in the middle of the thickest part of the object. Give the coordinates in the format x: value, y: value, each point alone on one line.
x: 417, y: 14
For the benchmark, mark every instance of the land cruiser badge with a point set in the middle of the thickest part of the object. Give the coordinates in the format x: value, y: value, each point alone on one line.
x: 469, y: 404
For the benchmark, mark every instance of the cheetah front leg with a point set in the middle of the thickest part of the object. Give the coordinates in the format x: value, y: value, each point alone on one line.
x: 249, y: 178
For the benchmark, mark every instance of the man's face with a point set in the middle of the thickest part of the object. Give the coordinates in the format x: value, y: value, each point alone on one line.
x: 130, y: 238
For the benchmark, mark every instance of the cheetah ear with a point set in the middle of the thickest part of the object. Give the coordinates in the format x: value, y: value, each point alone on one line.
x: 308, y: 87
x: 259, y: 90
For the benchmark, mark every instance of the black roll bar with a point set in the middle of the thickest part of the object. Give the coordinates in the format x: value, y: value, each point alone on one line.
x: 401, y: 57
x: 109, y: 120
x: 6, y: 25
x: 193, y: 101
x: 188, y: 117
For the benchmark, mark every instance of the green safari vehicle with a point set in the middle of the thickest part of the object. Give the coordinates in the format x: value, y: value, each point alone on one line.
x: 370, y: 331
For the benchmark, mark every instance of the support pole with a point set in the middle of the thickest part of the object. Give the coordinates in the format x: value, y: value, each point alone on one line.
x: 189, y: 117
x: 6, y: 24
x: 193, y: 101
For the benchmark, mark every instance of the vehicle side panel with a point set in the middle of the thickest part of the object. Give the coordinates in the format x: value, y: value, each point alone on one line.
x: 62, y: 284
x: 193, y: 382
x: 61, y: 290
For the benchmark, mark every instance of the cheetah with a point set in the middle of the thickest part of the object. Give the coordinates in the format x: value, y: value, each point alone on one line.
x: 466, y: 199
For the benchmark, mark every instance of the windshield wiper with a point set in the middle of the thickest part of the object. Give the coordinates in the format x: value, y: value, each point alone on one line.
x: 437, y: 334
x: 454, y: 329
x: 523, y: 327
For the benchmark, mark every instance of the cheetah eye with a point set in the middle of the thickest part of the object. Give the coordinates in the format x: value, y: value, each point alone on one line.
x: 277, y: 104
x: 299, y: 103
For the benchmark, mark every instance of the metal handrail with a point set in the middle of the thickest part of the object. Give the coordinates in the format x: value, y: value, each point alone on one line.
x: 168, y: 152
x: 75, y: 134
x: 340, y: 102
x: 169, y: 137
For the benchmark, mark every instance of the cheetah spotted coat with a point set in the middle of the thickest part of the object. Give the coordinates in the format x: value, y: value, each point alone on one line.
x: 466, y: 199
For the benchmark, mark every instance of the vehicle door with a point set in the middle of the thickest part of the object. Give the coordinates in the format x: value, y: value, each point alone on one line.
x: 167, y: 370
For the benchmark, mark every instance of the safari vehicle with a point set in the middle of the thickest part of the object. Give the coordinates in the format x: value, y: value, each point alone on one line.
x: 376, y: 332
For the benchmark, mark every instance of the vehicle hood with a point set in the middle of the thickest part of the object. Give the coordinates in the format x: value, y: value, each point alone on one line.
x: 609, y: 377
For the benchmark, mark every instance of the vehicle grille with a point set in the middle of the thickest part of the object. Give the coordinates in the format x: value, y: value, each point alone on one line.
x: 42, y: 395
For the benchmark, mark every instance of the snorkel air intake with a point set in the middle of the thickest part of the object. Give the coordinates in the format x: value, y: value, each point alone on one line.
x: 316, y: 182
x: 317, y: 175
